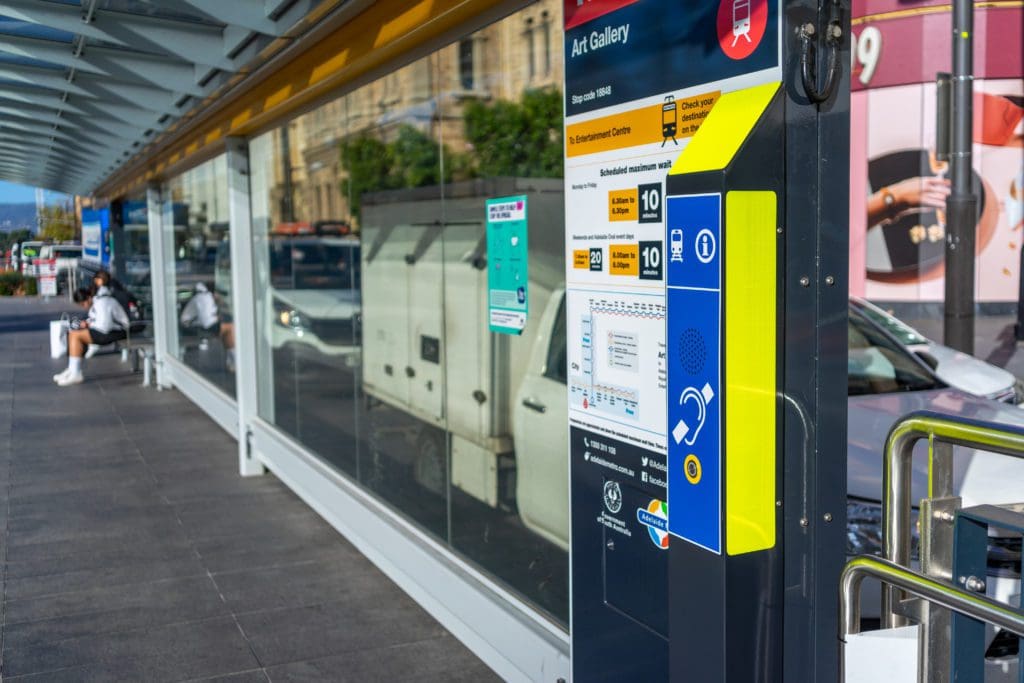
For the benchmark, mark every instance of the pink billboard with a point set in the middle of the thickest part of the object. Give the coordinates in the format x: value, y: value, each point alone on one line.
x: 897, y: 187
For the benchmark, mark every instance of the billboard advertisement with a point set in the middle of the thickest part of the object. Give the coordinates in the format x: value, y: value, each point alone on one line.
x: 898, y: 187
x: 96, y: 237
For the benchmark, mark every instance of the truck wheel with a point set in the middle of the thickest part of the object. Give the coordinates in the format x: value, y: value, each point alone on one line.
x: 431, y: 466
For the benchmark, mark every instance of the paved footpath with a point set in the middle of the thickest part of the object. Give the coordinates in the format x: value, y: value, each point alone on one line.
x: 132, y: 551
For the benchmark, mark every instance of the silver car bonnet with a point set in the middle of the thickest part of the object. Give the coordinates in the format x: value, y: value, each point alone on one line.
x: 871, y: 417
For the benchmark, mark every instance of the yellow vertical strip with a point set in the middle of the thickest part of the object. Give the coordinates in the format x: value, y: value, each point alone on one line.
x: 750, y: 345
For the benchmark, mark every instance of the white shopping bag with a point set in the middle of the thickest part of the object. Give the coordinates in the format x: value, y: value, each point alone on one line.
x: 885, y: 655
x: 58, y: 338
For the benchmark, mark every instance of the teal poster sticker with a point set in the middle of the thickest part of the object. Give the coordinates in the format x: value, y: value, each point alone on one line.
x: 507, y: 274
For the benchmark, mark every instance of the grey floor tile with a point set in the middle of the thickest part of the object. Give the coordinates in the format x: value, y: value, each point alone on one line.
x: 113, y: 575
x: 40, y: 505
x: 35, y: 488
x: 160, y: 524
x: 174, y: 652
x: 254, y: 676
x: 127, y: 544
x: 184, y: 598
x: 315, y: 631
x: 302, y: 544
x: 436, y: 659
x: 303, y: 584
x: 198, y: 527
x: 184, y: 488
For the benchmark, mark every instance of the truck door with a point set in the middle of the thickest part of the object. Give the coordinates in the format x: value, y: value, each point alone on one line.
x: 471, y: 390
x: 541, y: 434
x: 426, y: 315
x: 385, y: 311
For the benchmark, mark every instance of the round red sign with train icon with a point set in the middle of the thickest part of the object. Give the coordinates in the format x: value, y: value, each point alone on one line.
x: 741, y: 26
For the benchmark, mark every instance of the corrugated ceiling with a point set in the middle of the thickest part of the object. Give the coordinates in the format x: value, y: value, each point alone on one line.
x: 85, y: 83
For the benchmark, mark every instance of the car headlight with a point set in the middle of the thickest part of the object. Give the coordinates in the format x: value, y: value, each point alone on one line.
x: 864, y: 529
x: 286, y: 316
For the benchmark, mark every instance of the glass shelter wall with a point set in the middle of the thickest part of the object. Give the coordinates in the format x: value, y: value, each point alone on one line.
x: 195, y: 216
x: 137, y: 276
x: 371, y: 283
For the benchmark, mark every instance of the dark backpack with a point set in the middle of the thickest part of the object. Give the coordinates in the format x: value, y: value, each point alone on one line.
x: 131, y: 307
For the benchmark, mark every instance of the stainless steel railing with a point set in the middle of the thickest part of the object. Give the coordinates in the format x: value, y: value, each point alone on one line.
x: 942, y: 432
x: 937, y: 591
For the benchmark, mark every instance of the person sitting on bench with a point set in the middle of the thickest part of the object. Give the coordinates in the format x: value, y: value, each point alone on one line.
x: 106, y: 324
x: 128, y: 302
x: 201, y: 313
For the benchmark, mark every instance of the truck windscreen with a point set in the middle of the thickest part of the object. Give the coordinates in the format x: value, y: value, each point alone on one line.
x: 311, y: 264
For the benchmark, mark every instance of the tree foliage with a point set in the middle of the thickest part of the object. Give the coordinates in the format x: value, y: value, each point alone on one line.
x: 367, y: 163
x: 522, y: 139
x: 503, y: 138
x: 58, y: 224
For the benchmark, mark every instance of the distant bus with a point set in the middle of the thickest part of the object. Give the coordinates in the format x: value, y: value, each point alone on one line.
x: 29, y: 250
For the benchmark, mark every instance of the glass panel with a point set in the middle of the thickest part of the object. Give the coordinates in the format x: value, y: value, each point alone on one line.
x: 506, y: 398
x: 136, y: 276
x: 196, y: 216
x: 371, y: 281
x: 307, y: 281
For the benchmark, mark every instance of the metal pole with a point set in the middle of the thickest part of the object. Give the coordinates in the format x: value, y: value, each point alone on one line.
x: 1019, y: 328
x: 961, y: 205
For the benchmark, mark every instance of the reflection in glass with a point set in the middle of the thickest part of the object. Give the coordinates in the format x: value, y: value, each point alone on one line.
x: 136, y: 273
x: 196, y: 215
x: 374, y: 348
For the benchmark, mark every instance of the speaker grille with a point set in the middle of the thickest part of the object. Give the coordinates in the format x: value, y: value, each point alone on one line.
x: 693, y: 352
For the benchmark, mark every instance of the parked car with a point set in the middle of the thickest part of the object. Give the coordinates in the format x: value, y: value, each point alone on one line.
x: 315, y: 294
x: 887, y: 382
x: 958, y: 369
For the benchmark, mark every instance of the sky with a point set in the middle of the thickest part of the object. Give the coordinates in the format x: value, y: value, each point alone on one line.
x: 21, y: 194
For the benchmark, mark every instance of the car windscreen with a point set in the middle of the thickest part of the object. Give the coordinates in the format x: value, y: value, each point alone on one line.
x: 876, y: 364
x: 906, y: 334
x: 314, y: 264
x: 67, y: 253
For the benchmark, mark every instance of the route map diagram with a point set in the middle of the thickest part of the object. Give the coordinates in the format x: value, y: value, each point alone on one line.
x: 621, y: 344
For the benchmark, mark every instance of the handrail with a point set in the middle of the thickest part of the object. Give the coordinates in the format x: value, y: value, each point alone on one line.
x: 897, y: 474
x: 937, y: 591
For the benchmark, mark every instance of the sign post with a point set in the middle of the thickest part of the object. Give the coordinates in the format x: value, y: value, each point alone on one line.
x: 694, y: 182
x: 46, y: 272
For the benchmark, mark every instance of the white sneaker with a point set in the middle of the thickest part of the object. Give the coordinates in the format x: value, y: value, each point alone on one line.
x: 92, y: 350
x: 61, y: 375
x: 71, y: 378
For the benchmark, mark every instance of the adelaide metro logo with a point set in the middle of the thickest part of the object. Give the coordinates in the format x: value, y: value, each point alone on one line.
x: 741, y: 25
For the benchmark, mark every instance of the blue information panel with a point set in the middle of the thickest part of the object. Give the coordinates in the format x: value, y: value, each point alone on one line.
x: 693, y: 344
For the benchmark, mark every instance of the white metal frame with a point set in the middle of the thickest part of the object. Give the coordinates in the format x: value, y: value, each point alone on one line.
x: 498, y: 627
x: 171, y: 372
x: 207, y: 396
x: 243, y: 300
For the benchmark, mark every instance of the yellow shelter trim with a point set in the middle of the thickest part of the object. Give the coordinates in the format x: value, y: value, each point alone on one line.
x: 720, y: 136
x: 750, y: 370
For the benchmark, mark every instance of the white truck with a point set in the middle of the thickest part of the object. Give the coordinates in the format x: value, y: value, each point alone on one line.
x: 497, y: 402
x: 314, y: 294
